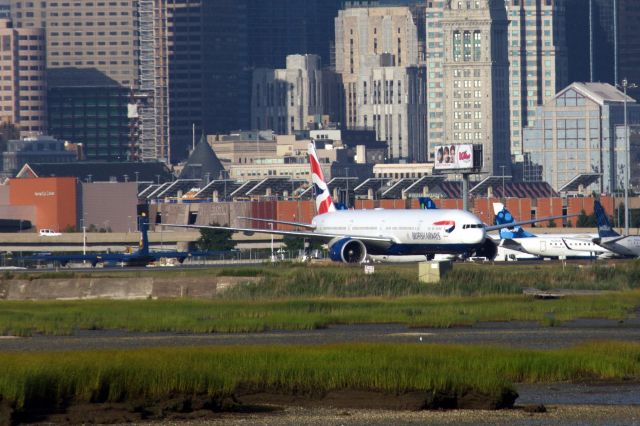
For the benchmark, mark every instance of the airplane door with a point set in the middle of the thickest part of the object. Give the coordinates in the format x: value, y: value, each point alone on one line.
x: 543, y: 246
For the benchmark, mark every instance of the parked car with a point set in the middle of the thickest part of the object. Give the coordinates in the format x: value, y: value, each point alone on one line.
x: 49, y: 233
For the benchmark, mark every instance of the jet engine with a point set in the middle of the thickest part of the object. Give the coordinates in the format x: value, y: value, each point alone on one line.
x: 348, y: 251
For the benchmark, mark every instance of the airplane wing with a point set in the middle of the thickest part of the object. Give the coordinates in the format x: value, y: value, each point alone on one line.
x: 525, y: 222
x: 314, y: 235
x: 511, y: 244
x: 281, y: 222
x: 608, y: 240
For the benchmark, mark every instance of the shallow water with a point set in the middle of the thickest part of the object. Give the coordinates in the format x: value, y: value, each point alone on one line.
x: 512, y: 334
x: 579, y: 394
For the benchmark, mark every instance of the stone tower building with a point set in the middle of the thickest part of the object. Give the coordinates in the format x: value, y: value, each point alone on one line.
x: 468, y: 78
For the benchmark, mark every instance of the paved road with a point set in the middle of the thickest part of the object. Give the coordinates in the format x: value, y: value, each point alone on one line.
x: 521, y: 335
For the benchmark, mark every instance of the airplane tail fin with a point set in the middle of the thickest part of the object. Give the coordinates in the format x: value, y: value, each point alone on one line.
x: 324, y: 203
x: 504, y: 216
x: 143, y: 224
x: 427, y: 203
x: 604, y: 225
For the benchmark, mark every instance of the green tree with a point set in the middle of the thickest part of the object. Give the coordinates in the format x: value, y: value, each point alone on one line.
x: 586, y: 221
x: 296, y: 244
x: 552, y: 224
x: 215, y: 239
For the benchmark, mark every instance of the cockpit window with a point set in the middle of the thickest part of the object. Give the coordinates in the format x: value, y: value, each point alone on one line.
x: 472, y: 226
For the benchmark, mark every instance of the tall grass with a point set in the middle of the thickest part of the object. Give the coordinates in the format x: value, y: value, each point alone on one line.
x: 464, y: 280
x: 28, y: 379
x: 208, y: 316
x: 336, y: 280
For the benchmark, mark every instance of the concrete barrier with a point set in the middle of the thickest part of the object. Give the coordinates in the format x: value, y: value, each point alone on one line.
x: 432, y: 272
x: 118, y: 288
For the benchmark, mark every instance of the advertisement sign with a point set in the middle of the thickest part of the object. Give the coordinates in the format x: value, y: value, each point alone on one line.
x: 454, y: 157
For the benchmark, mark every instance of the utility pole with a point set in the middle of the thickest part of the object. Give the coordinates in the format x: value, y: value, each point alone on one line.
x: 627, y: 157
x: 503, y: 194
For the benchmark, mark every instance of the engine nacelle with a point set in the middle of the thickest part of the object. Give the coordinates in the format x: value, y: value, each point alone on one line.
x: 488, y: 249
x: 348, y: 251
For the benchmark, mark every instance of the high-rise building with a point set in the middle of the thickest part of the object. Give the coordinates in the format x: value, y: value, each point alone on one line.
x: 23, y: 91
x: 86, y: 34
x: 393, y: 102
x: 285, y: 100
x: 117, y: 39
x: 590, y: 40
x: 537, y: 60
x: 5, y: 9
x: 278, y: 28
x: 468, y: 78
x: 89, y: 108
x: 377, y: 54
x: 208, y: 75
x: 629, y: 42
x: 603, y: 41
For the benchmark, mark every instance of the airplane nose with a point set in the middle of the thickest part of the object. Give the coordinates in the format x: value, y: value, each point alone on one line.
x: 475, y: 236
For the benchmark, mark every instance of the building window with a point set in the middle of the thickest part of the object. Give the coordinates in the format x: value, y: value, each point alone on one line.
x: 467, y: 46
x: 477, y: 45
x: 457, y: 47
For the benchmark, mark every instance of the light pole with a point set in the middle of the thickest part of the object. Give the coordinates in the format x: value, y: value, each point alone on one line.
x: 627, y: 158
x: 503, y: 194
x: 347, y: 197
x: 84, y: 239
x: 273, y: 259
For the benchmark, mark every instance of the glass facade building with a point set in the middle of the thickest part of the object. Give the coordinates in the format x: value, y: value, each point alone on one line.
x: 93, y: 116
x: 581, y: 130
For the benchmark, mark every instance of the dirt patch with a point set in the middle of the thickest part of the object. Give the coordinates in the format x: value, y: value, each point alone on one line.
x: 181, y: 407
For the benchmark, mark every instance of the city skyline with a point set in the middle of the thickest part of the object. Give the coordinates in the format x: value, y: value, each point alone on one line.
x: 398, y: 68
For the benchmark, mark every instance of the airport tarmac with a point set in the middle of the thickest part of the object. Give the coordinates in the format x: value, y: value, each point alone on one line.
x: 529, y: 335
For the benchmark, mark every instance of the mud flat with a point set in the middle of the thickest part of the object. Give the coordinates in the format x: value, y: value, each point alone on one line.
x: 248, y: 404
x: 569, y: 415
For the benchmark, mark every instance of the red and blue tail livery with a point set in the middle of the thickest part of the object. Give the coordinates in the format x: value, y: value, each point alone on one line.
x: 324, y: 203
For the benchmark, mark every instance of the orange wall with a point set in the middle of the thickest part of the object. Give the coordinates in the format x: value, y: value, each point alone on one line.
x: 520, y: 208
x: 54, y: 200
x: 295, y: 211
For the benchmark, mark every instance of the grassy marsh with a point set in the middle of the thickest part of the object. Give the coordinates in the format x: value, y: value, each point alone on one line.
x: 207, y: 316
x: 294, y: 296
x: 116, y: 376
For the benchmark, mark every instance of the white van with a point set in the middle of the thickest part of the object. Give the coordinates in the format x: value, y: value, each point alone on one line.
x: 49, y: 233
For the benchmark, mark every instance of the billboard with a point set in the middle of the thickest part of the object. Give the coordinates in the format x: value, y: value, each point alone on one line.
x: 453, y: 157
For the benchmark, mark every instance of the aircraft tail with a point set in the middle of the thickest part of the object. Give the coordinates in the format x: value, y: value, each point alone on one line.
x: 504, y: 216
x: 604, y: 225
x: 143, y: 224
x: 426, y: 203
x: 324, y: 203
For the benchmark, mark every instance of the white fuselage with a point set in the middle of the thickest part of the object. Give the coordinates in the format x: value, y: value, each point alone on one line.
x: 626, y: 246
x: 411, y: 231
x: 561, y: 247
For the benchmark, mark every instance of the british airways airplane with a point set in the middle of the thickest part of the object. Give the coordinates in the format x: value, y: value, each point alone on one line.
x: 354, y: 235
